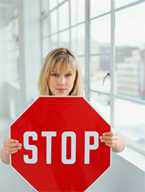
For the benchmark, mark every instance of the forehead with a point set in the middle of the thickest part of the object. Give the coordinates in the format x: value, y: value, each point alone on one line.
x: 63, y: 67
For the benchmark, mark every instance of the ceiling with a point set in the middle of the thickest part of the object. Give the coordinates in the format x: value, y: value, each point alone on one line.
x: 7, y: 10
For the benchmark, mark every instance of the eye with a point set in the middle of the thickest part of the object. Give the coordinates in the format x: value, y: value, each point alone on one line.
x: 54, y: 74
x: 68, y: 75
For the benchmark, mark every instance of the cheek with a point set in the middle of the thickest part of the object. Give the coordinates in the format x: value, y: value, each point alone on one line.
x: 71, y: 81
x: 51, y: 83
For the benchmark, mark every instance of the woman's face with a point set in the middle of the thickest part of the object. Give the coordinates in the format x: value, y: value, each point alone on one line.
x: 61, y: 81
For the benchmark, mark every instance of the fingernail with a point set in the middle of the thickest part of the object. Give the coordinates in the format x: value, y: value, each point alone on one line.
x: 101, y: 139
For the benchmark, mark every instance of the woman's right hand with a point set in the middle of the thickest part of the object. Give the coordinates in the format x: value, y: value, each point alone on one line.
x: 10, y: 146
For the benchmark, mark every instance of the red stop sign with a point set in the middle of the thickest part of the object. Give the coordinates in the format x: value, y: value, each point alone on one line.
x: 61, y: 147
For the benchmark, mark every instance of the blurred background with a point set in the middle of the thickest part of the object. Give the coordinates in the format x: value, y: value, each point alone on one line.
x: 108, y: 38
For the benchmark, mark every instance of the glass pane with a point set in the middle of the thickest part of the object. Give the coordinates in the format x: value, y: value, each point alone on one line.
x: 100, y: 73
x: 129, y: 121
x: 44, y: 4
x: 77, y: 15
x: 120, y: 3
x: 52, y: 3
x: 54, y: 41
x: 10, y: 53
x: 78, y: 39
x: 45, y: 27
x: 60, y: 1
x: 64, y: 39
x: 100, y: 35
x: 45, y: 46
x: 101, y: 104
x: 53, y: 21
x: 63, y: 16
x: 99, y: 7
x: 10, y: 69
x: 130, y: 52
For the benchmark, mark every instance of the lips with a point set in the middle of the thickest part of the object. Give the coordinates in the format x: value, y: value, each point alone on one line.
x: 61, y: 89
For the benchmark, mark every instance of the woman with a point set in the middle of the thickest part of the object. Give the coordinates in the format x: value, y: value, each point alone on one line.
x: 60, y: 76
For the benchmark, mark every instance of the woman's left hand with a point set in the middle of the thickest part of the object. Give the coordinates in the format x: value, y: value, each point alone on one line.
x: 113, y: 141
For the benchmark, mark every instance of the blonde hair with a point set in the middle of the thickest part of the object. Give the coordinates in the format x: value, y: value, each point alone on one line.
x: 67, y: 60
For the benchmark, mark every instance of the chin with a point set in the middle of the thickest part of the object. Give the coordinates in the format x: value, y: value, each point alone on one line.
x: 61, y: 94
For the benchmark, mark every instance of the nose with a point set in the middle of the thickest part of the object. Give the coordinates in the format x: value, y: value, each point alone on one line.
x: 61, y: 80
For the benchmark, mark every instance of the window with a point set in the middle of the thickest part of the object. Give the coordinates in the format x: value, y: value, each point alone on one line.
x: 53, y: 21
x: 63, y: 16
x: 68, y: 28
x: 45, y: 30
x: 99, y: 7
x: 11, y: 53
x: 121, y: 3
x: 64, y: 39
x: 54, y: 41
x: 77, y: 16
x: 130, y: 74
x: 130, y: 50
x: 100, y: 35
x: 52, y: 3
x: 78, y: 39
x: 44, y: 5
x: 100, y: 59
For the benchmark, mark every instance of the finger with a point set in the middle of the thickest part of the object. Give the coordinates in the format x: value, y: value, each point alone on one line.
x: 106, y: 137
x: 14, y: 149
x: 108, y: 133
x: 108, y: 144
x: 11, y: 145
x: 14, y: 141
x: 14, y: 152
x: 108, y: 141
x: 9, y: 141
x: 109, y: 138
x: 11, y: 150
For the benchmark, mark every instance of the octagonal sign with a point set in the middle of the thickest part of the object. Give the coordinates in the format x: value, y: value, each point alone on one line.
x: 61, y: 150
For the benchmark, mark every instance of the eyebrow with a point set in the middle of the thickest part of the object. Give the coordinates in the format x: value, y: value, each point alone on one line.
x: 71, y: 71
